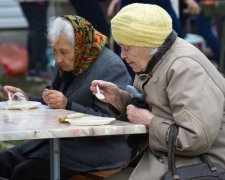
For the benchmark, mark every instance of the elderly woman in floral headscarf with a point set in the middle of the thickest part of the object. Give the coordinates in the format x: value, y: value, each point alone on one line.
x: 81, y: 57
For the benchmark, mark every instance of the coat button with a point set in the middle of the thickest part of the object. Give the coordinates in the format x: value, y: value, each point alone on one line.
x: 161, y: 159
x: 143, y: 78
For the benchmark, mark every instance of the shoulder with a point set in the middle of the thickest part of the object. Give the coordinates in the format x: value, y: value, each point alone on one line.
x: 185, y: 55
x: 108, y: 60
x: 109, y: 57
x: 110, y: 67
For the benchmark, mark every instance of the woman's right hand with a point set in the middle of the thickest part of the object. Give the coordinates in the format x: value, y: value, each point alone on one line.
x: 12, y: 89
x: 193, y: 7
x: 110, y: 91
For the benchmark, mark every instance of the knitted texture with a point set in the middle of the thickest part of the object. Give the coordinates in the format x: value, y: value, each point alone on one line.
x: 141, y: 25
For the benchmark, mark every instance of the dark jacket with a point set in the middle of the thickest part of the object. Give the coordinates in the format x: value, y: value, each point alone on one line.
x: 89, y: 153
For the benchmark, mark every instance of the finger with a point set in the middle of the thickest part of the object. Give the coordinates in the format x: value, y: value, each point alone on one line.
x: 130, y: 107
x: 57, y: 100
x: 102, y: 84
x: 93, y: 89
x: 94, y: 82
x: 50, y: 93
x: 8, y: 89
x: 45, y: 92
x: 55, y: 104
x: 127, y: 113
x: 49, y: 99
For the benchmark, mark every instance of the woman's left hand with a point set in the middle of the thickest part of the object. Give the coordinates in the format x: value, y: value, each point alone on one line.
x: 54, y: 99
x: 139, y: 115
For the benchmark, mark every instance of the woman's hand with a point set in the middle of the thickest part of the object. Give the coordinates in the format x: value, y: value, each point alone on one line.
x: 193, y: 7
x: 13, y: 90
x: 138, y: 115
x: 110, y: 91
x: 54, y: 99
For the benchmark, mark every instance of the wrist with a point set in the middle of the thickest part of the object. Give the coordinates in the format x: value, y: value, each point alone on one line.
x: 149, y: 120
x: 68, y: 105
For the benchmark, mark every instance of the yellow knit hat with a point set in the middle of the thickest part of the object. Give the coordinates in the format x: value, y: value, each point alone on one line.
x: 141, y: 25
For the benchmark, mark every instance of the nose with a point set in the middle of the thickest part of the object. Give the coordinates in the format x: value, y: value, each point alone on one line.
x: 58, y: 59
x: 123, y: 54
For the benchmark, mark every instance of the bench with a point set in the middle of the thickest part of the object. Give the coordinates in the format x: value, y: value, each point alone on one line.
x: 96, y: 175
x: 100, y: 175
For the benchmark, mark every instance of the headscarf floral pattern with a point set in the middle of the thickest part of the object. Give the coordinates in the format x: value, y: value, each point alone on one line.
x: 89, y: 43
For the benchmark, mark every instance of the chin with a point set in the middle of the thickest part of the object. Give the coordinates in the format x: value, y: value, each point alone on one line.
x: 65, y: 69
x: 136, y: 70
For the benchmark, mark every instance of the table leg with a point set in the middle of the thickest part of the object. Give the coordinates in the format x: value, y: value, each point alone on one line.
x: 55, y: 158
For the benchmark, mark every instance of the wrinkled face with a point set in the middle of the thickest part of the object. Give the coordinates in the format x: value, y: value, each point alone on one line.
x: 64, y: 53
x: 136, y: 57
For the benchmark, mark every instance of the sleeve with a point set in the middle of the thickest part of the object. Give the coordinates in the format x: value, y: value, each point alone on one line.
x: 117, y: 73
x: 35, y: 98
x: 196, y: 103
x: 112, y: 70
x: 126, y: 97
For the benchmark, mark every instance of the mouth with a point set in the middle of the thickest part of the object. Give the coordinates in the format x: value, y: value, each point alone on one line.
x: 63, y: 67
x: 130, y: 63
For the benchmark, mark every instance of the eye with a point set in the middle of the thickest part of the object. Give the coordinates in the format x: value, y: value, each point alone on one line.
x: 55, y: 53
x: 125, y: 48
x: 64, y: 52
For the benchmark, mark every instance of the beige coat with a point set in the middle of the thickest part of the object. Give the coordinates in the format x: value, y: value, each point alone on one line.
x: 186, y: 89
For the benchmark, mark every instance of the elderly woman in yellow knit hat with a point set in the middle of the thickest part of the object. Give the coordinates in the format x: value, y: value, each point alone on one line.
x: 180, y: 85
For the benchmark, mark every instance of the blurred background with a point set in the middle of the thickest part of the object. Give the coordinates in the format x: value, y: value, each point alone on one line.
x: 23, y: 30
x: 14, y: 30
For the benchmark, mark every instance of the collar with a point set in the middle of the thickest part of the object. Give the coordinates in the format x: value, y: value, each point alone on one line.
x: 157, y: 57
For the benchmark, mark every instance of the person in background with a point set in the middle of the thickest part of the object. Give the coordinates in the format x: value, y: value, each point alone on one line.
x: 180, y: 84
x: 36, y: 15
x: 203, y: 25
x: 80, y: 57
x: 115, y: 5
x: 93, y: 12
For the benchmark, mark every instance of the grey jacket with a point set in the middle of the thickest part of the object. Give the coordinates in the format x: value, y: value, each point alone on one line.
x: 90, y: 153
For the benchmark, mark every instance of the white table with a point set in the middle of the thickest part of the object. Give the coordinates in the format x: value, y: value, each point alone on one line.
x: 42, y: 123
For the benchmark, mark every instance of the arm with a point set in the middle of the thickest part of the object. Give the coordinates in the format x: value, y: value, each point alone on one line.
x: 196, y: 104
x: 114, y: 73
x: 111, y: 80
x: 193, y: 7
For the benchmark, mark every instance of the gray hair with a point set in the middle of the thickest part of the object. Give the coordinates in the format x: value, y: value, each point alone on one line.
x: 152, y: 51
x: 60, y: 26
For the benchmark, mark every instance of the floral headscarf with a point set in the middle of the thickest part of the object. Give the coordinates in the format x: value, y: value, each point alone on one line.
x: 88, y: 41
